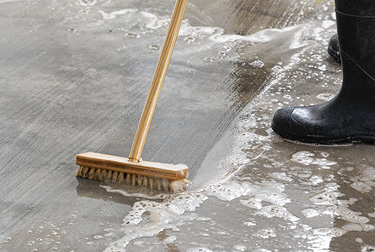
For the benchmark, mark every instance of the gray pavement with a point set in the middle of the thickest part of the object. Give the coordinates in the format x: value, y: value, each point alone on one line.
x: 73, y: 78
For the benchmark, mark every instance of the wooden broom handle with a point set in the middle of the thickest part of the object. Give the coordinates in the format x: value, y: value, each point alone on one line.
x: 157, y: 82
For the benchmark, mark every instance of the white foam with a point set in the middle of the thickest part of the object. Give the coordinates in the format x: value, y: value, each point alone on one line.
x: 310, y: 212
x: 361, y: 186
x: 170, y: 239
x: 316, y: 180
x: 249, y: 223
x: 252, y: 203
x: 367, y: 248
x: 353, y: 227
x: 359, y: 240
x: 327, y: 198
x: 368, y: 174
x: 324, y: 163
x: 257, y: 64
x: 303, y: 157
x: 372, y: 215
x: 226, y: 191
x: 261, y: 250
x: 240, y: 247
x: 268, y: 191
x: 277, y: 211
x: 199, y: 249
x: 281, y: 176
x: 148, y: 218
x: 146, y: 19
x: 114, y: 14
x: 366, y: 181
x: 266, y: 233
x: 198, y: 32
x: 329, y: 232
x: 348, y: 215
x: 87, y: 3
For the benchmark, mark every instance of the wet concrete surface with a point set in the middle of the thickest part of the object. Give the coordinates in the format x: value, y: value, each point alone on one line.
x: 73, y: 78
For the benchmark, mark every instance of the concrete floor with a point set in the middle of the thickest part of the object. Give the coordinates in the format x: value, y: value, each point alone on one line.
x: 73, y: 78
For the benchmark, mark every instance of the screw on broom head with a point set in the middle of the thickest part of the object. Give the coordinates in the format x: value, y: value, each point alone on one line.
x: 107, y: 168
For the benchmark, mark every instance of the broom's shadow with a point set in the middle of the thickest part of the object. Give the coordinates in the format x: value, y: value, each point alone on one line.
x: 93, y: 189
x: 118, y: 193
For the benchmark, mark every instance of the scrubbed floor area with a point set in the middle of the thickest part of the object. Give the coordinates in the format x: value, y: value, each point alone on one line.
x: 73, y: 78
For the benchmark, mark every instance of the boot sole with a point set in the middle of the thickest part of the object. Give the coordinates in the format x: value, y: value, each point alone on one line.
x: 323, y: 140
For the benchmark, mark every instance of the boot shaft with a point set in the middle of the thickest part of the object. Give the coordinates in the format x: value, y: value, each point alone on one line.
x: 356, y: 33
x: 356, y: 7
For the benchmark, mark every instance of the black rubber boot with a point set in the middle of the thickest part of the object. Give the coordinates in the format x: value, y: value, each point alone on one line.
x: 334, y: 48
x: 350, y: 116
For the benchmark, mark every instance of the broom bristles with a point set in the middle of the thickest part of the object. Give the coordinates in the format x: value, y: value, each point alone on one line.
x: 131, y: 179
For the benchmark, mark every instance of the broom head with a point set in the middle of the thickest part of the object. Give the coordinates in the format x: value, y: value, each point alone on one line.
x: 107, y: 168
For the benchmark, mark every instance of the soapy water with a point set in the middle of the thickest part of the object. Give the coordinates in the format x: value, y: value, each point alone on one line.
x: 251, y: 175
x: 267, y: 198
x: 277, y: 191
x: 148, y: 218
x: 87, y: 3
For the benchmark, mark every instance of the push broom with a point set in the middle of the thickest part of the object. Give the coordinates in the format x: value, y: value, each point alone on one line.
x: 133, y: 170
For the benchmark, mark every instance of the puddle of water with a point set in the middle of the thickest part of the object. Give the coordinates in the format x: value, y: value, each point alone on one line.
x: 261, y: 177
x: 281, y: 184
